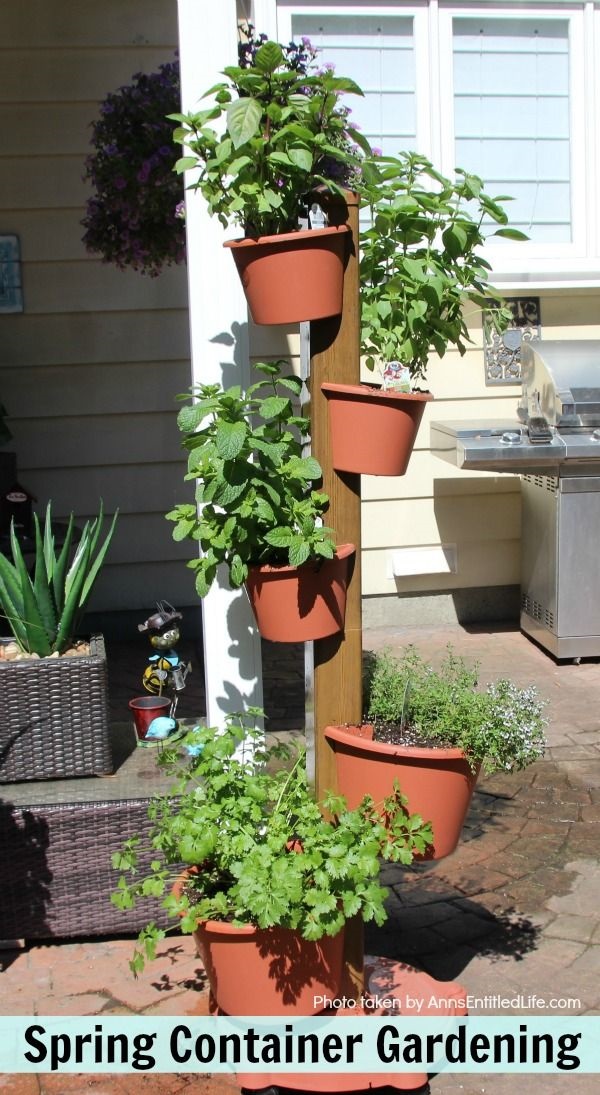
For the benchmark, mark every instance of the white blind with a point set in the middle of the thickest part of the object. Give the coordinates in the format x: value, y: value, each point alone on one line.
x: 511, y: 111
x: 377, y: 52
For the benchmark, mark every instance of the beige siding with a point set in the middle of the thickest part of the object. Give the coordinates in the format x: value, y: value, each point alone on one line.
x: 477, y: 512
x: 89, y: 371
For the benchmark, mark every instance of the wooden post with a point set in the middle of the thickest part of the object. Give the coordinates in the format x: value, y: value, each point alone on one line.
x: 335, y: 357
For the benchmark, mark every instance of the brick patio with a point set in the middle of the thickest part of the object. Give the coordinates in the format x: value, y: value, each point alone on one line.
x: 514, y: 911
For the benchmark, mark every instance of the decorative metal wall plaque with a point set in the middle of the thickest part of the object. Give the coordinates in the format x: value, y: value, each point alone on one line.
x: 503, y: 352
x: 11, y: 295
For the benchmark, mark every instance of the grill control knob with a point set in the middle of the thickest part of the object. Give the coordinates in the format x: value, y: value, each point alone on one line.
x: 511, y: 438
x: 596, y: 435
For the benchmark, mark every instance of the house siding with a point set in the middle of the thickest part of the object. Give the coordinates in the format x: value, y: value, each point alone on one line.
x: 90, y: 369
x: 477, y: 513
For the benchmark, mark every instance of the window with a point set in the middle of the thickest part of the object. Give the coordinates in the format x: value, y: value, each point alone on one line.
x: 504, y: 90
x: 379, y: 53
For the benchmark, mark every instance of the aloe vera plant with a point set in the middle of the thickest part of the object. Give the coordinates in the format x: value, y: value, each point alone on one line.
x: 43, y: 611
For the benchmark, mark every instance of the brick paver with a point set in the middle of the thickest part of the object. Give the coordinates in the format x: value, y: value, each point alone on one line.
x: 515, y: 911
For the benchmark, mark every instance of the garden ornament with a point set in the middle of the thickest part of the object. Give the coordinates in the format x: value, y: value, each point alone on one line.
x: 165, y: 672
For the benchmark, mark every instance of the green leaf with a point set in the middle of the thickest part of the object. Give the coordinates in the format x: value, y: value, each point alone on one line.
x: 98, y: 561
x: 42, y: 587
x: 511, y: 234
x: 11, y: 606
x: 189, y: 418
x: 49, y: 555
x: 230, y: 438
x: 243, y: 119
x: 455, y: 240
x: 60, y: 569
x: 299, y: 552
x: 269, y: 57
x: 74, y: 584
x: 186, y: 163
x: 37, y: 639
x: 279, y: 537
x: 238, y: 572
x: 274, y: 406
x: 302, y: 158
x: 308, y: 468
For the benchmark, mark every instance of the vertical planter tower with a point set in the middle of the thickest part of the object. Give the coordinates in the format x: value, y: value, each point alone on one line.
x: 336, y: 672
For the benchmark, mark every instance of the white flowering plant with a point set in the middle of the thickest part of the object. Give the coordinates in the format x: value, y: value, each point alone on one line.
x: 501, y: 727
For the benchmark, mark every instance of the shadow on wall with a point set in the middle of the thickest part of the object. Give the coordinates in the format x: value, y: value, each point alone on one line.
x: 481, y: 520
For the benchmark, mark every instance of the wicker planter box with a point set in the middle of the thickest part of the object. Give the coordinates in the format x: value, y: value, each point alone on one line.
x: 56, y: 842
x: 54, y: 719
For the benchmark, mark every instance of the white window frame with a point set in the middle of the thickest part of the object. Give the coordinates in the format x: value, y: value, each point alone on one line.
x: 545, y: 259
x: 523, y: 265
x: 422, y: 44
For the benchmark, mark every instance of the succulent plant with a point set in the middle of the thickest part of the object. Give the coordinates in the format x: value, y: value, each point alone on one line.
x: 43, y: 610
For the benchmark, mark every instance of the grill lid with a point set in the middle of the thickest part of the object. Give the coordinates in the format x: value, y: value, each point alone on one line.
x: 561, y: 383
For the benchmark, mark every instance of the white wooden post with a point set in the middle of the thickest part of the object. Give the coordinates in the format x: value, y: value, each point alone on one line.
x: 219, y: 345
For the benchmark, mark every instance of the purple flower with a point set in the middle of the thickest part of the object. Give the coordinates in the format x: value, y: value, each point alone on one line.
x: 376, y: 151
x: 120, y: 182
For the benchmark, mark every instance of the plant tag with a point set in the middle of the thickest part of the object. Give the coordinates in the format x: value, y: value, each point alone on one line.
x: 317, y: 216
x: 396, y: 377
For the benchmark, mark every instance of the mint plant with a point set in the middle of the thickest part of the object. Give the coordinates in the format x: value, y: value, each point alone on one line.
x: 244, y: 815
x: 501, y: 727
x: 421, y: 260
x: 284, y: 123
x: 254, y: 486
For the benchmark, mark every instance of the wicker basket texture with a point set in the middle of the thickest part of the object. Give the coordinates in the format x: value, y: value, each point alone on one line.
x: 54, y: 717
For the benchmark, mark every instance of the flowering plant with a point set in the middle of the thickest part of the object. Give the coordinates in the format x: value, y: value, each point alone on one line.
x: 284, y: 126
x: 133, y: 217
x: 501, y: 728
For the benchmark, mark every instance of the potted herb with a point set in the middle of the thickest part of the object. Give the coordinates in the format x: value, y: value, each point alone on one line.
x: 55, y: 717
x: 420, y: 263
x: 285, y: 126
x: 270, y: 882
x: 259, y: 513
x: 432, y: 731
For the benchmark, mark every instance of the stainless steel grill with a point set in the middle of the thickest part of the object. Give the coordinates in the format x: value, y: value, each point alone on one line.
x: 554, y: 444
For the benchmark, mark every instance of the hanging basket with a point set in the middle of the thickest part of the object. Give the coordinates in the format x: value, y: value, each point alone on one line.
x: 293, y: 277
x: 298, y: 604
x: 373, y: 431
x: 437, y: 783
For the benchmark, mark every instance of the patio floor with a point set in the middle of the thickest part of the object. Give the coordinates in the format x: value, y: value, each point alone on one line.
x: 514, y: 912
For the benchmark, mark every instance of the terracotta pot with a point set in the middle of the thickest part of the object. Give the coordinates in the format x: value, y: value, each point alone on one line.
x: 293, y: 277
x: 145, y: 710
x: 373, y: 431
x: 438, y: 783
x: 297, y: 604
x: 272, y: 971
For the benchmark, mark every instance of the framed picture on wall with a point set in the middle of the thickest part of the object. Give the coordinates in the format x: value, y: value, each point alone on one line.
x: 11, y: 293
